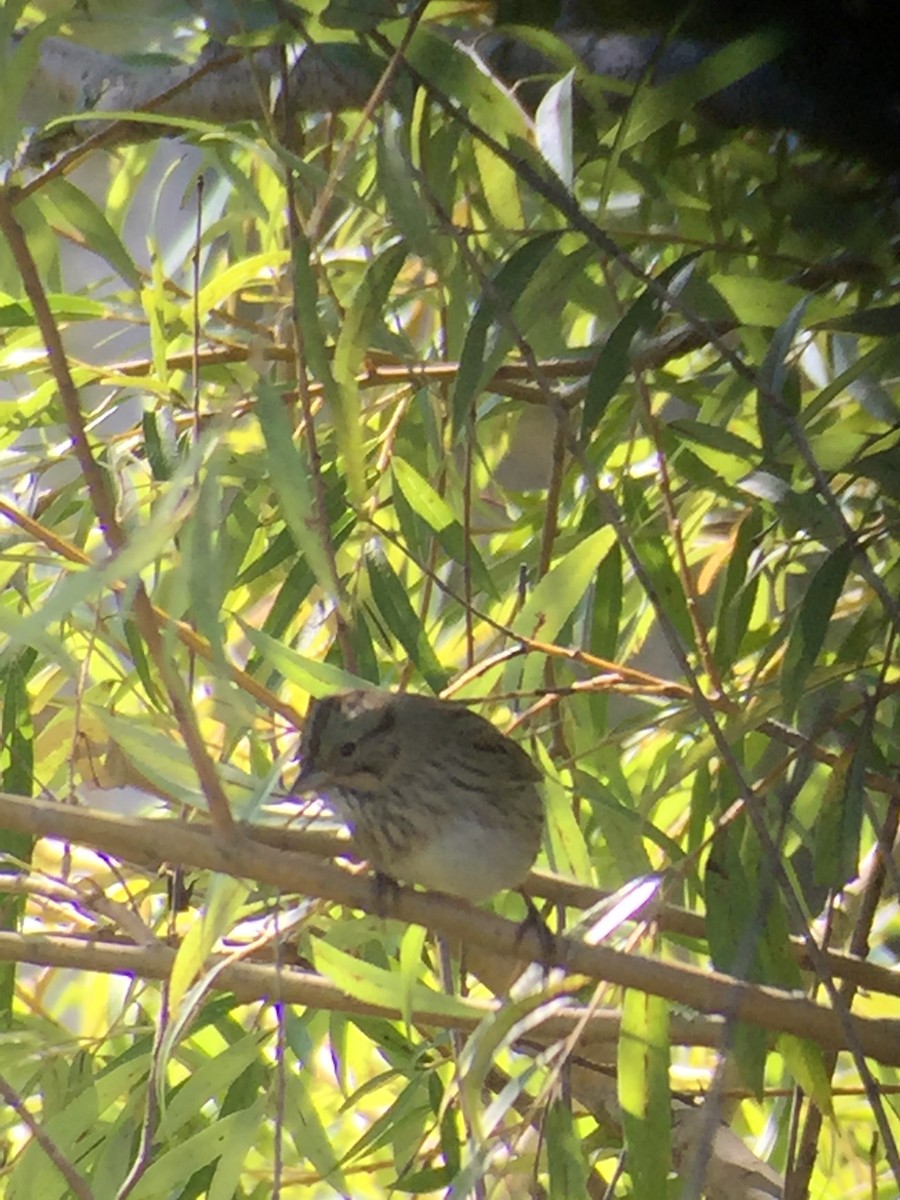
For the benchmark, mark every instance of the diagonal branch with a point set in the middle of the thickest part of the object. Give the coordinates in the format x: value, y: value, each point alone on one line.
x: 104, y: 507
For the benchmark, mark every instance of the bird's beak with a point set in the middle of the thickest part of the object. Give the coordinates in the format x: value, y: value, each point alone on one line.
x: 310, y: 780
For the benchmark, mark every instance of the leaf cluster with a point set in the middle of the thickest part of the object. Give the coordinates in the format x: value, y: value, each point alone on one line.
x: 597, y: 433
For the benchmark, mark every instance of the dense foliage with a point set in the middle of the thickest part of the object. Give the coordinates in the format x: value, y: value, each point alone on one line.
x: 589, y: 420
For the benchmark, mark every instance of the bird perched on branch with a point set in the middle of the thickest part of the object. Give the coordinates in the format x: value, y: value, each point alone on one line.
x: 433, y: 793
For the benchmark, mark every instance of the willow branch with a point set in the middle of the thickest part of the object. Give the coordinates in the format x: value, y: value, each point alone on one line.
x: 705, y: 991
x: 103, y: 503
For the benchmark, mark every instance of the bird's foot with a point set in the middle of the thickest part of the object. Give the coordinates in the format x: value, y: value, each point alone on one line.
x: 385, y: 893
x: 535, y: 923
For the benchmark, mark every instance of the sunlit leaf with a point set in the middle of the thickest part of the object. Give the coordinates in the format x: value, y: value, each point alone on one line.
x: 565, y: 1153
x: 562, y: 588
x: 290, y: 479
x: 211, y: 1079
x: 643, y: 1074
x: 224, y: 899
x: 438, y: 516
x: 63, y: 200
x: 553, y: 125
x: 376, y: 986
x: 317, y: 678
x: 806, y: 1063
x: 355, y: 337
x: 393, y: 605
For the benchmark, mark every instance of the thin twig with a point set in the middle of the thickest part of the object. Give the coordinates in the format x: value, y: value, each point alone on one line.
x: 104, y: 508
x: 701, y: 989
x: 76, y: 1181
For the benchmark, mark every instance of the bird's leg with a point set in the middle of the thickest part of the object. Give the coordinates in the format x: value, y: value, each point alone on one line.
x: 535, y: 923
x: 385, y: 889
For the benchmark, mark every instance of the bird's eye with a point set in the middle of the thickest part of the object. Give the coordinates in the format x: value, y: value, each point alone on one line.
x: 347, y: 749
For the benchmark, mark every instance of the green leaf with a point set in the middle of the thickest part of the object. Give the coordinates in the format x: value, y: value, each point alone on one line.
x: 290, y: 475
x: 306, y: 300
x: 157, y: 456
x: 224, y: 900
x: 734, y: 923
x: 316, y: 678
x: 643, y: 1079
x: 714, y: 437
x: 701, y: 808
x: 438, y: 58
x: 774, y: 402
x: 245, y: 1132
x: 84, y: 584
x: 409, y: 1109
x: 204, y: 557
x: 884, y: 468
x: 17, y: 777
x: 141, y: 663
x: 810, y: 625
x: 224, y: 285
x: 305, y: 1125
x: 359, y: 15
x: 208, y: 1079
x: 375, y: 985
x: 408, y: 212
x: 172, y: 1166
x: 606, y: 619
x: 806, y: 1063
x: 451, y: 1142
x: 675, y: 99
x: 667, y: 586
x: 157, y: 755
x: 411, y: 947
x: 757, y: 300
x: 480, y: 357
x: 873, y: 322
x: 499, y: 185
x: 838, y: 830
x: 17, y: 731
x: 61, y: 200
x: 747, y: 934
x: 392, y: 602
x: 434, y: 510
x: 737, y: 592
x: 567, y: 849
x: 614, y: 360
x: 557, y: 595
x: 566, y: 1162
x: 353, y: 342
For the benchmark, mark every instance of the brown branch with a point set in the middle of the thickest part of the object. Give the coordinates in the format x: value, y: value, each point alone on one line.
x: 104, y: 507
x: 76, y: 1181
x: 256, y: 981
x: 704, y: 990
x: 185, y: 633
x: 543, y: 885
x: 385, y: 370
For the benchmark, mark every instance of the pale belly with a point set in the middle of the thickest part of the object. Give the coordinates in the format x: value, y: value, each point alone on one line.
x: 466, y: 860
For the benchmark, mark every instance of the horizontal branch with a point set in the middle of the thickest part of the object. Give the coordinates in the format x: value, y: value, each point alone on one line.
x: 706, y: 991
x: 71, y: 80
x: 255, y: 981
x: 542, y: 885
